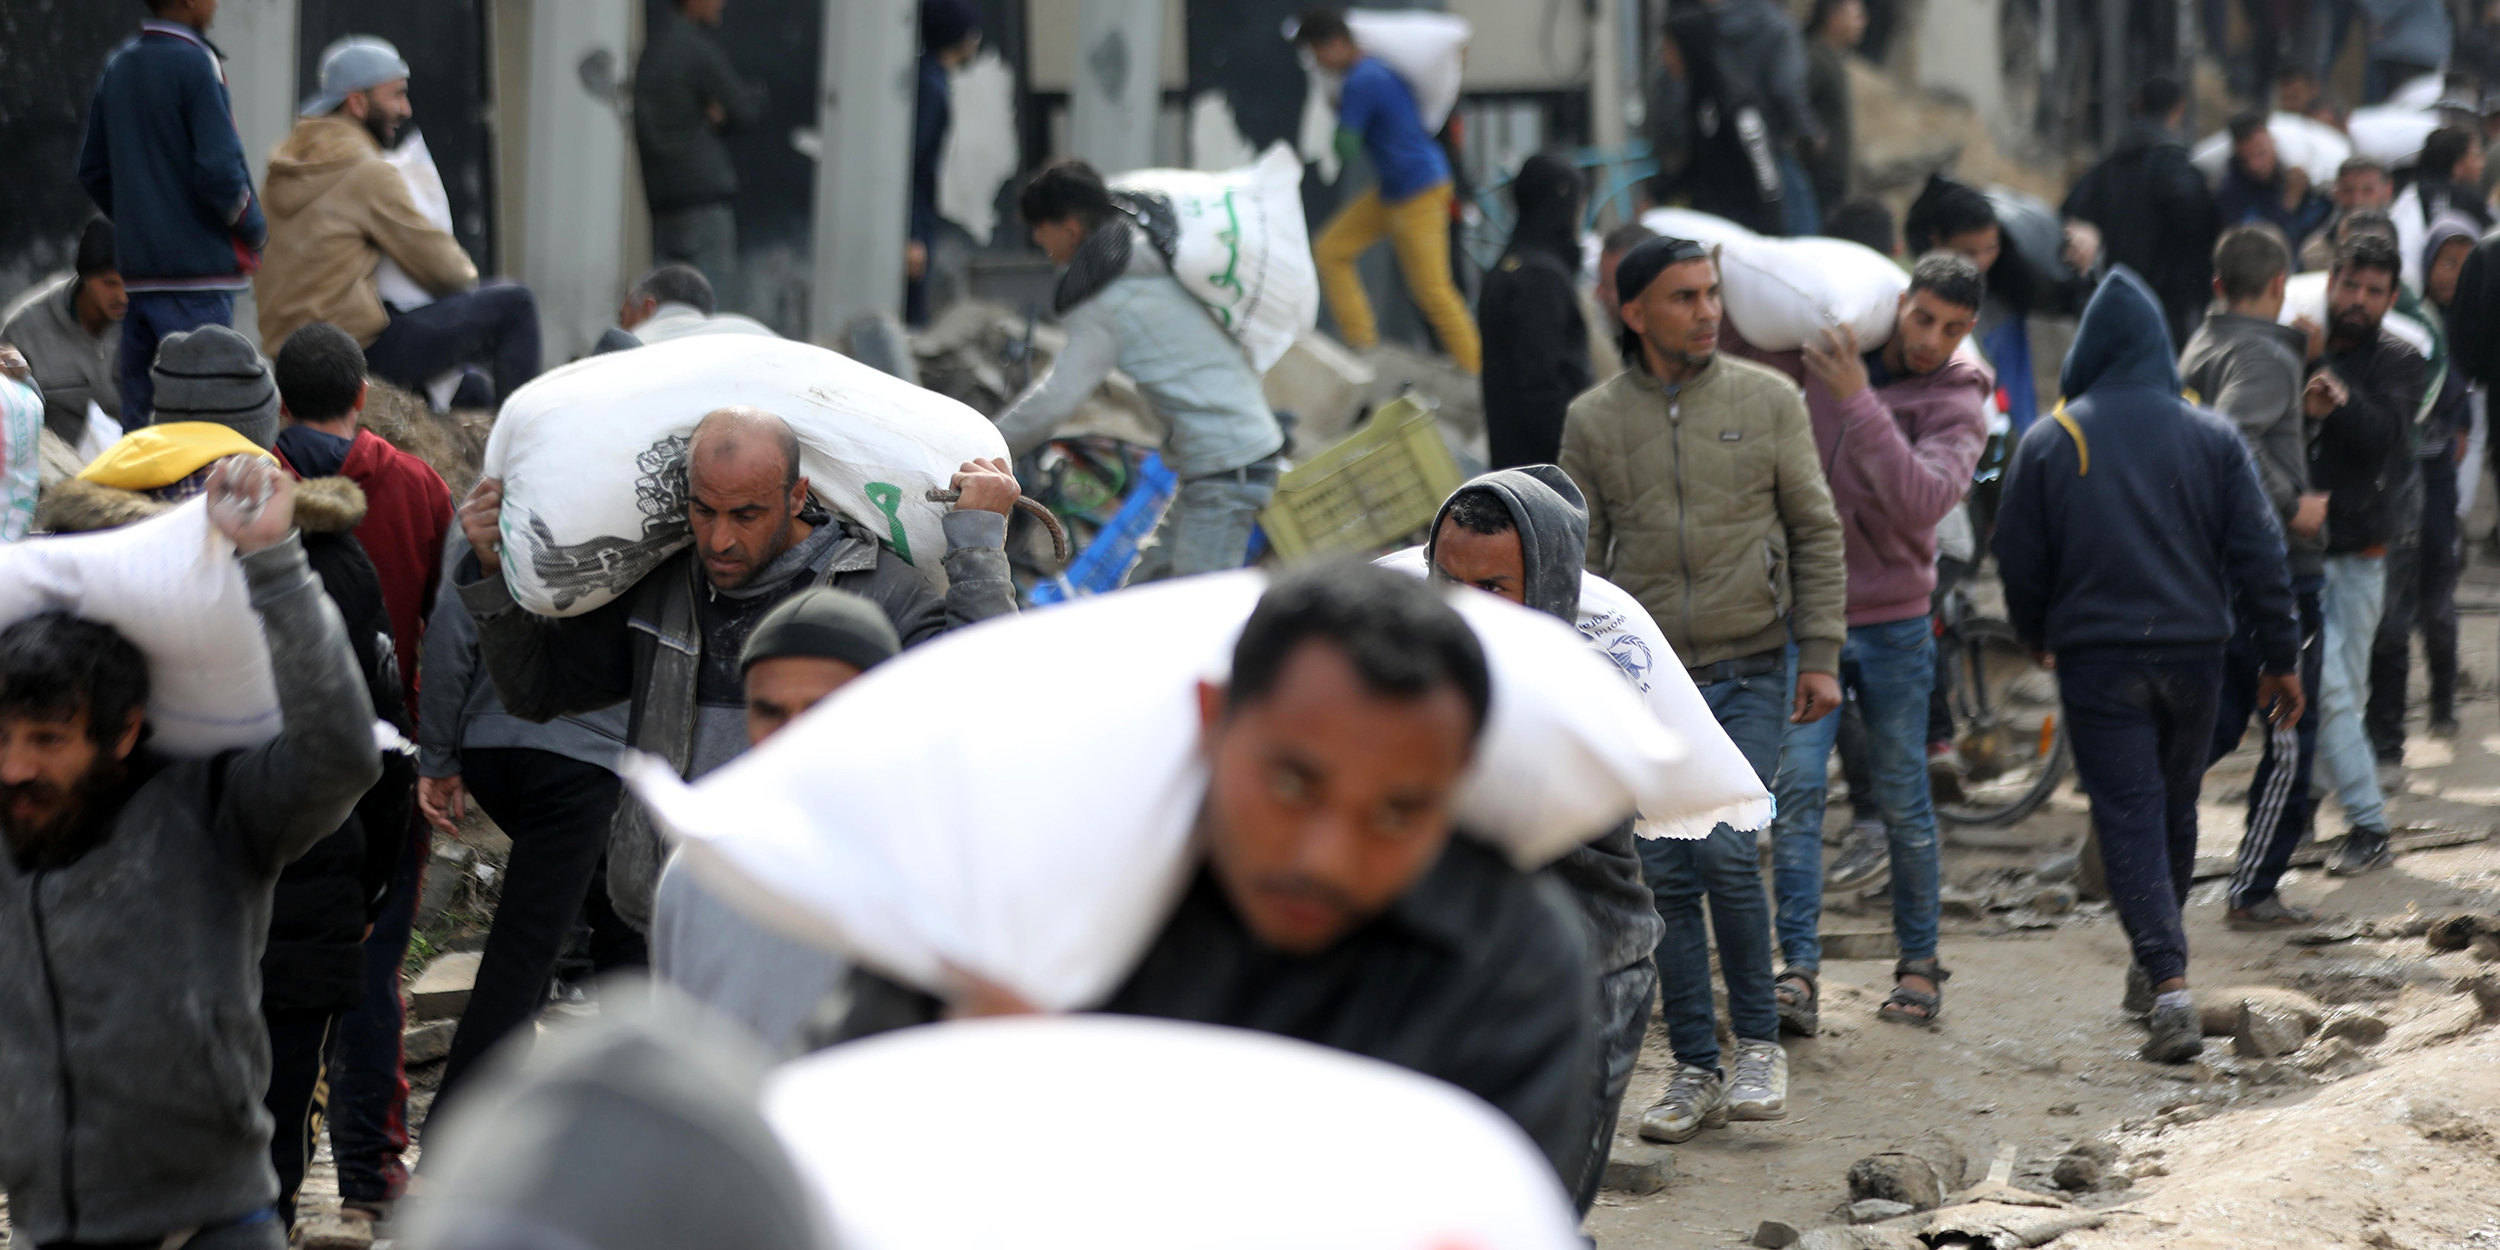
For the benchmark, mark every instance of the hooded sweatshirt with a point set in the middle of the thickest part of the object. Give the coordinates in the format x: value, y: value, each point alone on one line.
x: 2449, y: 413
x: 2249, y: 369
x: 336, y: 208
x: 1898, y: 457
x: 1553, y: 524
x: 2132, y: 520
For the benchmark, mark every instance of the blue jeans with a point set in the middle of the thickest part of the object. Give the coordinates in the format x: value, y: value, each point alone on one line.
x: 368, y: 1083
x: 1801, y: 215
x: 2356, y: 589
x: 497, y: 324
x: 2142, y: 727
x: 153, y: 317
x: 1208, y: 528
x: 1726, y: 869
x: 1891, y: 670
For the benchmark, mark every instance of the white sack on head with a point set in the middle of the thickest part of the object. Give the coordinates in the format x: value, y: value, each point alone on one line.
x: 2304, y: 295
x: 593, y: 456
x: 171, y: 586
x: 897, y: 823
x: 1318, y: 1150
x: 2316, y: 148
x: 1713, y: 783
x: 1781, y: 294
x: 1244, y: 249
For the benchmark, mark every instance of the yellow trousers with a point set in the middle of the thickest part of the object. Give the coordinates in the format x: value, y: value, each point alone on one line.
x: 1419, y: 228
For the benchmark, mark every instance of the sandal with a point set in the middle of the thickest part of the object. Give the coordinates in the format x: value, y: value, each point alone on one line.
x: 1909, y: 1006
x: 1799, y: 1010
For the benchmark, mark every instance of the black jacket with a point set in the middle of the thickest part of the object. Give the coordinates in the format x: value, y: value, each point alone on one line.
x: 2474, y: 318
x: 2362, y: 455
x: 2157, y: 217
x: 1536, y: 356
x: 1479, y: 976
x: 2134, y: 520
x: 683, y: 71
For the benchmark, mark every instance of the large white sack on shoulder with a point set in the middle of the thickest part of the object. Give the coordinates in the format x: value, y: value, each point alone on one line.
x: 1318, y: 1149
x: 2304, y: 295
x: 1781, y: 294
x: 416, y: 167
x: 1244, y: 249
x: 592, y: 457
x: 1700, y: 227
x: 2389, y: 135
x: 916, y: 839
x: 2316, y: 148
x: 1712, y: 783
x: 171, y: 586
x: 1427, y: 49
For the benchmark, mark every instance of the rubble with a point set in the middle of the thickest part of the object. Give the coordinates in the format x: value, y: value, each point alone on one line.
x: 1919, y: 1173
x: 442, y: 992
x: 2455, y: 933
x: 1639, y: 1169
x: 427, y: 1042
x: 2219, y: 1011
x: 2357, y: 1025
x: 1773, y: 1235
x: 2265, y: 1031
x: 1877, y: 1210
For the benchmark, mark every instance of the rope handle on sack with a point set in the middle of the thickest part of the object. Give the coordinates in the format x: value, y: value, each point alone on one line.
x: 1030, y: 506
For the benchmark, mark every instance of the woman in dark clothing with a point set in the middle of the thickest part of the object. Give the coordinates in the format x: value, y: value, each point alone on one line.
x: 1536, y: 344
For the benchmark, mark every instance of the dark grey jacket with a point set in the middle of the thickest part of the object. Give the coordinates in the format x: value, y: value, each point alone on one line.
x: 1604, y: 875
x: 682, y: 72
x: 648, y: 647
x: 132, y: 1054
x: 2250, y: 371
x: 72, y: 367
x: 458, y: 707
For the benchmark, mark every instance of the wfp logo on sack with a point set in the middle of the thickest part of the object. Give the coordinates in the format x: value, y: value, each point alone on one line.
x: 1608, y: 632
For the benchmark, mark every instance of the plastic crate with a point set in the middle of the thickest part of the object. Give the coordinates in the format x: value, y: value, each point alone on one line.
x: 1382, y: 483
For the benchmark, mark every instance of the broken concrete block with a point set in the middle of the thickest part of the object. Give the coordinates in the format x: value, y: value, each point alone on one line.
x: 442, y: 992
x: 1639, y: 1169
x: 1921, y: 1172
x: 1875, y: 945
x: 2267, y: 1032
x: 444, y: 874
x: 425, y: 1043
x: 2358, y: 1025
x: 1877, y: 1210
x: 1843, y: 1237
x: 1773, y: 1235
x: 2077, y: 1173
x: 2218, y: 1012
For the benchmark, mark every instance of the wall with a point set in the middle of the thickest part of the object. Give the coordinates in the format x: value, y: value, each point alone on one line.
x: 50, y: 54
x: 445, y: 45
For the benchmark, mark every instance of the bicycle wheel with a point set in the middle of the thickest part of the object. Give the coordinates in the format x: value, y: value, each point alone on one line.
x: 2008, y: 726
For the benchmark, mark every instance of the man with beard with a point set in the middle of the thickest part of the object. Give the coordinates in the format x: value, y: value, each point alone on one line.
x: 670, y: 646
x: 134, y: 899
x: 337, y: 210
x: 2364, y: 390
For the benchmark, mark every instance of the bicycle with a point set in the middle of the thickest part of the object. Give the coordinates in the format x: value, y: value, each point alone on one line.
x: 2008, y: 726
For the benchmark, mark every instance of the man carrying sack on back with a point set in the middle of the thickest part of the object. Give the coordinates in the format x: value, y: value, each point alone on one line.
x: 670, y: 646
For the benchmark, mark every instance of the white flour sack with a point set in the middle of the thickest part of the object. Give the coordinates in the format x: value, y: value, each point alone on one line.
x: 1783, y: 293
x: 1244, y: 249
x: 918, y: 839
x: 1428, y: 50
x: 1313, y: 1140
x: 170, y: 584
x: 593, y: 457
x: 1712, y: 783
x: 2313, y: 147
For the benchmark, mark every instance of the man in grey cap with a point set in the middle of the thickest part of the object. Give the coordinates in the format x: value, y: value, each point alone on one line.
x: 337, y: 209
x: 212, y: 374
x: 800, y: 653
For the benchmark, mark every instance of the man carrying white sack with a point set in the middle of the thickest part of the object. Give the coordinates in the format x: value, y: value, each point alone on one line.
x: 671, y: 645
x: 1333, y: 904
x: 137, y: 889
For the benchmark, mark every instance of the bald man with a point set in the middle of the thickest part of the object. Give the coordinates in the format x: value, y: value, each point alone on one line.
x: 669, y: 647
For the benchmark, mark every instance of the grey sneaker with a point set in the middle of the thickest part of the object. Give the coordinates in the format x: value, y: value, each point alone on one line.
x: 2177, y: 1035
x: 1865, y: 861
x: 2363, y: 850
x: 2139, y: 1000
x: 1759, y: 1090
x: 1696, y: 1099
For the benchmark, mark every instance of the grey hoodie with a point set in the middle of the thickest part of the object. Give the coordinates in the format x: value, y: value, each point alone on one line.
x: 1604, y: 875
x: 2249, y: 370
x: 132, y: 1054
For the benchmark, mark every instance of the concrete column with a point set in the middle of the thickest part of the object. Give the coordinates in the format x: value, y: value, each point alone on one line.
x: 574, y: 222
x: 1606, y: 125
x: 258, y: 38
x: 1117, y: 93
x: 869, y: 64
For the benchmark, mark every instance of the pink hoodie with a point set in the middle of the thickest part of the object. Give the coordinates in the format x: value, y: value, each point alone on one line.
x: 1899, y: 459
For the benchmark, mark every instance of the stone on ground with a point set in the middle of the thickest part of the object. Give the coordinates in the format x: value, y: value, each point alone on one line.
x: 442, y: 993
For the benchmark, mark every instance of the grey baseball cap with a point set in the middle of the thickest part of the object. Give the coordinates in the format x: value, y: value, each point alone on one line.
x: 355, y: 63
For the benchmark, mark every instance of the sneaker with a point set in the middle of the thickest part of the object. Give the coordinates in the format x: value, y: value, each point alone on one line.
x: 2444, y: 728
x: 2177, y: 1035
x: 2362, y: 850
x: 1696, y: 1099
x: 1944, y: 773
x: 1865, y: 861
x: 1760, y: 1088
x: 2270, y: 912
x: 2139, y: 1000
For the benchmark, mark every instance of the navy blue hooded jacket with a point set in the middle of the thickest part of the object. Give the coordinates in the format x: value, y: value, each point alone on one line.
x: 162, y: 158
x: 2135, y: 520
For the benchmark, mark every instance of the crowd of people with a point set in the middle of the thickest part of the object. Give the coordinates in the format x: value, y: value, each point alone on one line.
x: 2233, y: 512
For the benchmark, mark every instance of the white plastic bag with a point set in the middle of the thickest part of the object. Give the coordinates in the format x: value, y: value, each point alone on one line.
x: 1713, y: 782
x: 425, y: 185
x: 1244, y: 250
x: 1781, y: 294
x: 1426, y: 49
x: 1318, y: 1151
x: 917, y: 839
x: 170, y: 584
x: 2316, y: 148
x: 2390, y: 135
x: 592, y: 457
x: 981, y: 150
